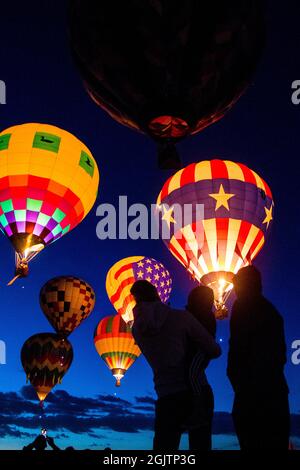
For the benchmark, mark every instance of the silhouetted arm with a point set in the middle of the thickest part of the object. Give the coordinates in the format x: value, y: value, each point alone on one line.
x: 200, y: 338
x: 52, y: 444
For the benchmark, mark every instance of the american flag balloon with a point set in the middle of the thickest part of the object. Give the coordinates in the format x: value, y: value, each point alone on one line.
x: 214, y: 217
x: 123, y: 274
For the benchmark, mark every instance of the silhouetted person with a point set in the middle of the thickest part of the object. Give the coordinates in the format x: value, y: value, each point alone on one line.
x: 164, y: 335
x: 200, y: 304
x: 257, y: 355
x: 41, y: 442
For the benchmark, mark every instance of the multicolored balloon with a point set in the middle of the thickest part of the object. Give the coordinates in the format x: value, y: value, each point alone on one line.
x: 66, y: 301
x: 167, y: 68
x: 225, y: 231
x: 48, y: 184
x: 123, y: 274
x: 46, y: 357
x: 116, y: 346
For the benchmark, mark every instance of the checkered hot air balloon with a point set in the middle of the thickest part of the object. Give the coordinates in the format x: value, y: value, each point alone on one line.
x: 48, y: 184
x: 116, y: 346
x: 215, y: 216
x: 66, y: 301
x: 46, y: 357
x: 123, y: 274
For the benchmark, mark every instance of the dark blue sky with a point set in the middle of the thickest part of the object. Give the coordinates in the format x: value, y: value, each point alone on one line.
x: 261, y: 131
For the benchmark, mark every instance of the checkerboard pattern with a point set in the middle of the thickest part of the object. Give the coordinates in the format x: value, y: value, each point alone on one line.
x: 67, y: 301
x: 48, y: 182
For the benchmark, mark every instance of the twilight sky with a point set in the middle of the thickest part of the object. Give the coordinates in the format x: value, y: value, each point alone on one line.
x: 261, y: 131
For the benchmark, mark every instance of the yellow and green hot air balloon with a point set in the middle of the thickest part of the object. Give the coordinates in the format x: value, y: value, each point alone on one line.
x: 115, y: 345
x: 48, y: 184
x: 123, y: 274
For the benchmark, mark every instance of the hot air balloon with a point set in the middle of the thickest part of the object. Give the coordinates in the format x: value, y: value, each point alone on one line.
x: 168, y: 68
x: 123, y: 274
x: 46, y: 357
x: 48, y: 184
x: 66, y: 301
x: 227, y: 211
x: 115, y: 345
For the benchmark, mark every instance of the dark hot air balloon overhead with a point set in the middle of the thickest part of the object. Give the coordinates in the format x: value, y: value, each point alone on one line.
x: 168, y: 68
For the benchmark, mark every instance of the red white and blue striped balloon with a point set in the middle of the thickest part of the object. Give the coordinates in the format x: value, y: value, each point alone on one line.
x: 230, y: 231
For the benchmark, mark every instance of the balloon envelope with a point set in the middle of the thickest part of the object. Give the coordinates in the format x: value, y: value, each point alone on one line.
x: 66, y: 301
x: 48, y: 184
x: 123, y: 274
x: 169, y: 68
x: 46, y: 357
x: 115, y: 345
x: 228, y: 213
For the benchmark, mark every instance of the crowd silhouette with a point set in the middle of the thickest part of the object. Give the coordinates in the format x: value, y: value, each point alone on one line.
x: 179, y: 345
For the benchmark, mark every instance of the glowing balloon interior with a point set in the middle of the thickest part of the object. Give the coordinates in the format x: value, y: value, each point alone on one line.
x: 230, y: 211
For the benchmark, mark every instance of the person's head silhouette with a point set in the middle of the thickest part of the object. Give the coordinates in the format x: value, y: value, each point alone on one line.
x: 144, y: 291
x: 200, y: 304
x: 247, y: 282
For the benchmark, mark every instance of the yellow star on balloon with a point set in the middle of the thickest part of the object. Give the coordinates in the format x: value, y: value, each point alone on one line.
x: 222, y: 198
x: 269, y: 216
x: 167, y: 216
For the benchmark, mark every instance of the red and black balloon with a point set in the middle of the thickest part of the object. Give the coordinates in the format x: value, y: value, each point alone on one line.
x: 46, y: 357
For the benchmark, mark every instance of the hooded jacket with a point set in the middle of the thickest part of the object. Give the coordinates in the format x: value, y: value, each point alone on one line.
x: 164, y: 336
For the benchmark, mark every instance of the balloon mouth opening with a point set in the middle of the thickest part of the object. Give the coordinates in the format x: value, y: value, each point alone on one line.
x: 42, y: 396
x: 168, y: 127
x: 128, y: 316
x: 27, y: 245
x: 221, y: 284
x: 118, y: 375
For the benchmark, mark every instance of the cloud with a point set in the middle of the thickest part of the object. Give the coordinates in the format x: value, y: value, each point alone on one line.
x: 67, y: 413
x: 94, y: 417
x: 149, y: 400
